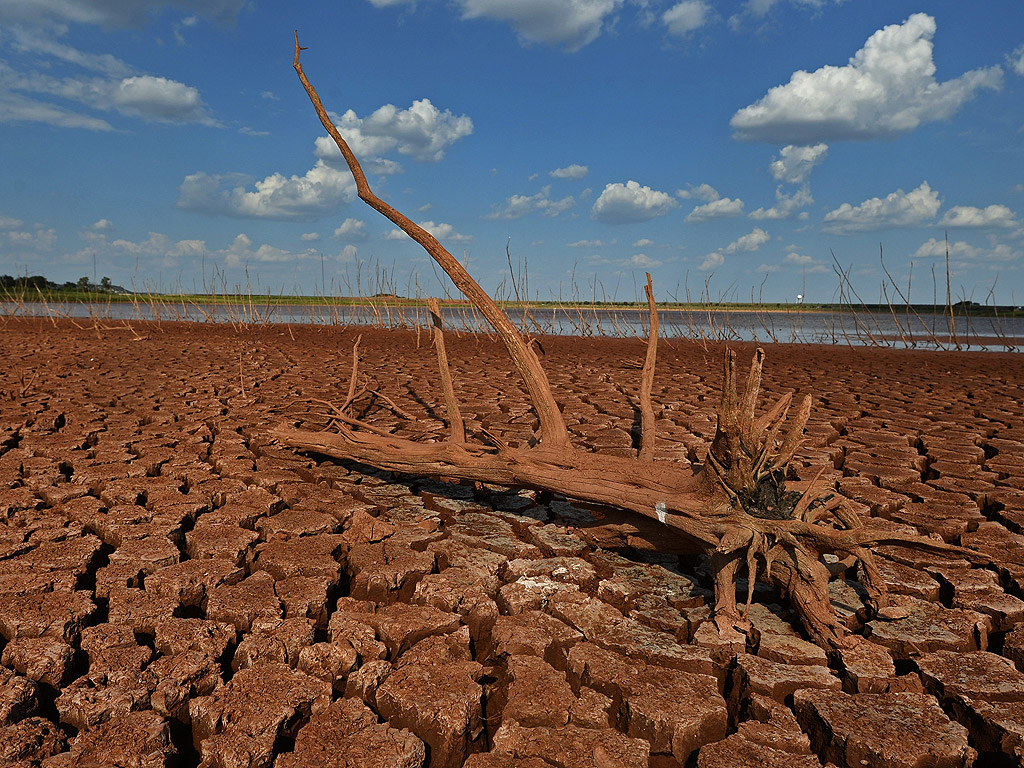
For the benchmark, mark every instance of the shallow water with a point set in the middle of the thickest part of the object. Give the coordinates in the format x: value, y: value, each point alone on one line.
x: 901, y: 330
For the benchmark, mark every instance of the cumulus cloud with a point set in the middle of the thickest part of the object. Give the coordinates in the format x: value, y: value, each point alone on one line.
x: 969, y: 216
x: 150, y: 98
x: 518, y: 206
x: 422, y: 132
x: 9, y: 222
x: 319, y: 192
x: 643, y: 242
x: 587, y: 244
x: 643, y: 261
x: 702, y: 192
x: 750, y: 242
x: 351, y: 229
x: 897, y: 209
x: 887, y: 88
x: 685, y: 17
x: 573, y: 171
x: 630, y: 203
x: 111, y: 13
x: 795, y: 163
x: 722, y: 208
x: 786, y: 205
x: 1015, y: 60
x: 568, y: 23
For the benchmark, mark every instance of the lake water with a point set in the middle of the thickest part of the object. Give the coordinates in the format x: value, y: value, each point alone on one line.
x: 901, y: 329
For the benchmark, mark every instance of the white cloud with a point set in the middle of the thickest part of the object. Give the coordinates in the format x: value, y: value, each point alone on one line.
x: 322, y: 190
x: 785, y: 205
x: 969, y: 216
x: 643, y: 242
x: 160, y: 99
x: 1015, y: 60
x: 795, y: 163
x: 150, y: 98
x: 713, y: 260
x: 643, y: 261
x: 111, y: 13
x: 8, y: 222
x: 687, y: 16
x: 569, y: 23
x: 630, y: 203
x: 750, y: 242
x: 587, y: 244
x: 518, y: 206
x: 422, y: 132
x: 573, y: 171
x: 351, y: 229
x: 40, y: 241
x: 702, y: 192
x: 309, y: 237
x: 887, y: 88
x: 897, y: 209
x: 933, y: 248
x: 103, y: 225
x: 722, y: 208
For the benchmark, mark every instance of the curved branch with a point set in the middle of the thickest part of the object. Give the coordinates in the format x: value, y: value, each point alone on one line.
x: 552, y: 427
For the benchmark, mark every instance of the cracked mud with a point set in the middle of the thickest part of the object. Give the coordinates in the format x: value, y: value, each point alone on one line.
x: 178, y: 590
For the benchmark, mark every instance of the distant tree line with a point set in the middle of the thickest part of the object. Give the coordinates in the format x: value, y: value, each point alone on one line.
x: 38, y: 282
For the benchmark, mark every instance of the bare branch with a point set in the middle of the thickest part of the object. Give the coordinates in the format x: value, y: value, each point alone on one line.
x: 455, y: 424
x: 647, y: 437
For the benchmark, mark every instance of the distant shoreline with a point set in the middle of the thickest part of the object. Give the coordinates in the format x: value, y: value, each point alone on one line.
x: 272, y: 300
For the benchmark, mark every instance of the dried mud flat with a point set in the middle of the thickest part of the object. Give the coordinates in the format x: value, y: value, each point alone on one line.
x: 175, y: 589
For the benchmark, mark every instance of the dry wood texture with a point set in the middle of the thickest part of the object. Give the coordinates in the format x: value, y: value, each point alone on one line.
x: 735, y: 507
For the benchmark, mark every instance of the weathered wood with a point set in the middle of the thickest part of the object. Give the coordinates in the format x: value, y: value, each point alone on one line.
x: 735, y: 508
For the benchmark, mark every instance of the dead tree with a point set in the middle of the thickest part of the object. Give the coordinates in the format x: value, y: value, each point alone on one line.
x: 734, y: 508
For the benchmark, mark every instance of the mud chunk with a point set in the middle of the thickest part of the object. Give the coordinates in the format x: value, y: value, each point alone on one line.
x: 771, y: 737
x: 977, y: 675
x: 1013, y: 646
x: 136, y: 740
x: 537, y: 695
x: 883, y: 730
x: 280, y: 645
x: 211, y: 638
x: 42, y: 659
x: 533, y: 633
x: 605, y: 626
x: 189, y: 582
x: 357, y: 639
x: 311, y: 556
x: 95, y: 699
x: 181, y: 678
x: 347, y: 735
x: 28, y: 742
x: 490, y: 532
x: 676, y: 711
x: 220, y: 540
x: 293, y: 523
x: 463, y: 591
x: 17, y: 697
x: 148, y: 553
x: 433, y: 692
x: 566, y: 747
x: 50, y: 614
x: 251, y: 604
x: 238, y: 724
x: 305, y: 596
x: 929, y: 627
x: 141, y: 610
x: 867, y: 668
x: 401, y: 626
x: 387, y: 571
x: 327, y: 662
x: 754, y: 675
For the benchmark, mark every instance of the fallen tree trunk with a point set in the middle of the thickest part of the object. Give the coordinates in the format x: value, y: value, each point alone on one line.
x: 735, y: 508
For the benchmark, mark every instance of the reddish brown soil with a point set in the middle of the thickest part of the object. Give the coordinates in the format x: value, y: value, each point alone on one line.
x: 176, y: 589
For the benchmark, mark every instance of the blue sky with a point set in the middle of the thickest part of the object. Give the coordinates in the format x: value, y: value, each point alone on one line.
x: 735, y: 145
